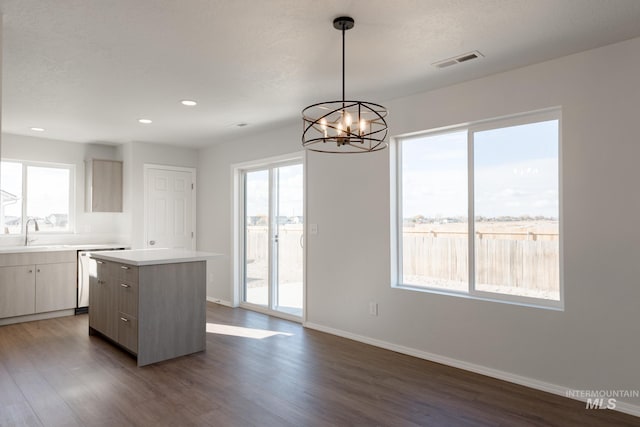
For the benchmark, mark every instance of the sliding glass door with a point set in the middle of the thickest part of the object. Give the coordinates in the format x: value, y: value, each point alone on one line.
x: 256, y: 235
x: 273, y: 238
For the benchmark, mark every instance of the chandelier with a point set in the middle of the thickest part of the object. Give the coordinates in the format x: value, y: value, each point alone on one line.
x: 344, y: 126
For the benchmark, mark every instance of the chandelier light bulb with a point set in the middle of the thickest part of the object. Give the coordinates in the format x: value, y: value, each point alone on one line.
x: 347, y: 120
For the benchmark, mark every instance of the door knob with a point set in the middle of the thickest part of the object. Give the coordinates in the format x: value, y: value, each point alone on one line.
x: 152, y: 242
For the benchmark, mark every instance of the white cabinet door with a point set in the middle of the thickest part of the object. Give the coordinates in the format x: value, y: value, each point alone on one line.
x: 17, y: 290
x: 55, y: 286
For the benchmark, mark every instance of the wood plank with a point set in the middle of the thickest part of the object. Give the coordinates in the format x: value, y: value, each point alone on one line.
x: 14, y: 407
x: 44, y: 400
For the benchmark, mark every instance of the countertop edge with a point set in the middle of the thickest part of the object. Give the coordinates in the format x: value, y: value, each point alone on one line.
x: 170, y: 258
x: 6, y: 250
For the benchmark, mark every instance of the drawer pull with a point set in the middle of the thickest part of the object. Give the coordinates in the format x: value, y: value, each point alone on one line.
x: 124, y: 267
x: 124, y: 285
x: 124, y: 319
x: 99, y: 262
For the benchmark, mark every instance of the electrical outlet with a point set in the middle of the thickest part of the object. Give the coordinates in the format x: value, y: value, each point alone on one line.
x: 313, y: 228
x: 373, y: 308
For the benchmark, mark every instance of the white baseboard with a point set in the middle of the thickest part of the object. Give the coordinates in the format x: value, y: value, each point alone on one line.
x: 627, y: 408
x: 39, y: 316
x: 220, y: 301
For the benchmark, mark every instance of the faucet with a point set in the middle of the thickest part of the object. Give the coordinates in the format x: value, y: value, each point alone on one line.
x: 26, y: 231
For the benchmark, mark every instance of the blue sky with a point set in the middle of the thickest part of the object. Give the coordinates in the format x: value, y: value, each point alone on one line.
x: 48, y: 189
x: 516, y: 172
x: 290, y: 187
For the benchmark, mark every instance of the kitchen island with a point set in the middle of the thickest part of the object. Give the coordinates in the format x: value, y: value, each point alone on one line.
x: 150, y: 302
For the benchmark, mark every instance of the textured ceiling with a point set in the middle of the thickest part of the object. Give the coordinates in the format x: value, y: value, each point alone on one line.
x: 87, y: 70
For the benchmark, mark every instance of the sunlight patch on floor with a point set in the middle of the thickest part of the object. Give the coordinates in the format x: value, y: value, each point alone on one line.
x: 238, y: 331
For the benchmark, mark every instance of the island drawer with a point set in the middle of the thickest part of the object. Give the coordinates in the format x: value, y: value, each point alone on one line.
x: 127, y: 273
x: 128, y: 332
x: 127, y: 297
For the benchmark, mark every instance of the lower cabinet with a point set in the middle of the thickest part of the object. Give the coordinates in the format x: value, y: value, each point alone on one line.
x: 102, y: 304
x: 128, y: 332
x: 17, y: 291
x: 155, y: 312
x: 37, y: 282
x: 113, y: 304
x: 55, y: 286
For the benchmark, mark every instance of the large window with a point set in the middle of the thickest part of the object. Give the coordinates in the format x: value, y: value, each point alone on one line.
x: 35, y: 190
x: 504, y: 175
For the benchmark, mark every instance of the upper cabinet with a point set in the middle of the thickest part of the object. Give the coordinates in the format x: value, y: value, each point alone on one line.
x: 104, y: 185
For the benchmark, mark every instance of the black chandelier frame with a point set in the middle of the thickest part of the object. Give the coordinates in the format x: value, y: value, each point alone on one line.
x: 321, y: 121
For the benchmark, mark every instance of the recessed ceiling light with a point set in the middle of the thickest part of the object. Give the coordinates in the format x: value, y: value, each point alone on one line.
x: 145, y: 121
x: 188, y: 102
x: 37, y: 129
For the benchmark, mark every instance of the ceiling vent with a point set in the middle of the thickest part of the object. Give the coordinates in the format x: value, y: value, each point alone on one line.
x: 458, y: 59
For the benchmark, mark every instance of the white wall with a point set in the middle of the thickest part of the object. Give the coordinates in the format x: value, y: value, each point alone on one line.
x: 1, y: 68
x: 135, y: 155
x: 214, y: 198
x: 592, y: 344
x: 97, y: 227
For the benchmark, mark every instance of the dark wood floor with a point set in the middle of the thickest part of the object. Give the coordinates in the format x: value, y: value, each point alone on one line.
x: 52, y: 373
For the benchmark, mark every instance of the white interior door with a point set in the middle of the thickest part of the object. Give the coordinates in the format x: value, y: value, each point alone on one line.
x: 169, y: 208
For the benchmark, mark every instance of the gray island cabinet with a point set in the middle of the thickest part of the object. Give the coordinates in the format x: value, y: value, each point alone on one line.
x: 150, y: 302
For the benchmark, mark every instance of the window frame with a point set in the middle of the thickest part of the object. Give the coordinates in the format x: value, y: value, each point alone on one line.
x: 238, y: 195
x: 397, y: 218
x: 71, y: 218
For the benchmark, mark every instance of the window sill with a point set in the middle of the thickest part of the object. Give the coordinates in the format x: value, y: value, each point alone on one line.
x: 489, y: 297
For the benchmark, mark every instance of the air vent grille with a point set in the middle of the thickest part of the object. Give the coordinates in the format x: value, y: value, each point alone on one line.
x: 458, y: 59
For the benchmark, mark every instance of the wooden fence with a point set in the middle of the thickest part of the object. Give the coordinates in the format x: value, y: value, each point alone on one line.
x: 527, y: 261
x: 290, y: 253
x: 522, y: 261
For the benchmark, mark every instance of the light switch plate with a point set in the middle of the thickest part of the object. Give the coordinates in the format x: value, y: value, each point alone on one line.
x: 373, y: 308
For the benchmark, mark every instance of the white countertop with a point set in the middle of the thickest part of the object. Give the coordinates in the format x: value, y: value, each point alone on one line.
x: 55, y: 248
x: 141, y: 257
